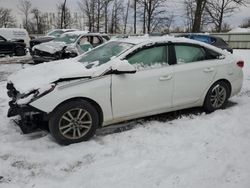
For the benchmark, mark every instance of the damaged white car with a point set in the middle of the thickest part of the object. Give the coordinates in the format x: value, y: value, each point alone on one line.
x: 68, y: 45
x: 122, y: 80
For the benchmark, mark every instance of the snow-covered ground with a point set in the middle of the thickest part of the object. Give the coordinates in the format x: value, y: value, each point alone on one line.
x: 196, y: 151
x: 16, y: 59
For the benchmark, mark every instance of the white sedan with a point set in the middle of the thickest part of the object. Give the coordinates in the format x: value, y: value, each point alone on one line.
x: 122, y: 80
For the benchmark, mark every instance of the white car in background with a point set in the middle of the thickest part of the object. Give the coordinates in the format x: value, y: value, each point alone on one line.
x: 68, y: 45
x: 122, y: 80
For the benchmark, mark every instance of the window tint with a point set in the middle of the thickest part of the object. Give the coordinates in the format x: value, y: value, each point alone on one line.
x: 212, y: 54
x: 2, y: 39
x: 83, y: 40
x: 96, y: 41
x: 187, y: 54
x: 150, y: 56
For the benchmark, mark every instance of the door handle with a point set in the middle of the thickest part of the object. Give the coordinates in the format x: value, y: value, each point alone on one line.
x: 167, y: 77
x: 207, y: 70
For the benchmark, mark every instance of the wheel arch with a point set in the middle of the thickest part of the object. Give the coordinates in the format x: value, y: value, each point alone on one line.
x: 91, y: 101
x: 220, y: 80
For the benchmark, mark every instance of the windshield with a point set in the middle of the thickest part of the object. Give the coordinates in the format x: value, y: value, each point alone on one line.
x: 56, y: 33
x: 105, y: 52
x: 68, y: 39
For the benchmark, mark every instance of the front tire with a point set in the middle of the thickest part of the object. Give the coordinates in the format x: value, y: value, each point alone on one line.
x: 73, y: 122
x: 20, y: 51
x: 217, y: 97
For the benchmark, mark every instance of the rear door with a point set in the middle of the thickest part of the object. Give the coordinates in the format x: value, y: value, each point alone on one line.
x: 193, y: 73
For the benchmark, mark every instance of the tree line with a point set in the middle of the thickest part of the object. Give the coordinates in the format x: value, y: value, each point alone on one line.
x: 126, y: 16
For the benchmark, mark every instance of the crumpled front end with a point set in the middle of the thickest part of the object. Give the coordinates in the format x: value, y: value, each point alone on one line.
x: 29, y: 118
x: 45, y: 53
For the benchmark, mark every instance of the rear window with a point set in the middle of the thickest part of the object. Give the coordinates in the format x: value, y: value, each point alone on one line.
x: 188, y: 53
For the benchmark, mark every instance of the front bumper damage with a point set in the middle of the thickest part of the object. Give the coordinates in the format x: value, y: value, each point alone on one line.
x: 29, y: 118
x: 41, y: 56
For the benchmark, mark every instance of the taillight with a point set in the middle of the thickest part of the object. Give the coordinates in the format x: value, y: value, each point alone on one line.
x: 240, y: 64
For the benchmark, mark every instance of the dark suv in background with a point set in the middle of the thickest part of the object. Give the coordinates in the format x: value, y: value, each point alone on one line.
x: 12, y: 47
x: 210, y: 39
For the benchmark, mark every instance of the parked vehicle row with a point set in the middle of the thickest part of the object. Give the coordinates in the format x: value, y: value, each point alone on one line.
x: 49, y: 37
x: 68, y: 45
x: 12, y: 47
x: 122, y: 80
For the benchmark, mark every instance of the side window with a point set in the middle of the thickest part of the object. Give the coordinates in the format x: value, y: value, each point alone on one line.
x: 84, y: 44
x: 96, y: 41
x: 149, y: 57
x: 83, y: 40
x: 212, y: 54
x: 187, y: 54
x: 2, y: 39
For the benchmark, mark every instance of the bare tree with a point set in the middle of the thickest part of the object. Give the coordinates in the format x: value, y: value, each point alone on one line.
x: 199, y: 9
x: 24, y: 7
x: 36, y: 15
x: 126, y: 17
x: 135, y: 9
x: 196, y: 23
x: 87, y: 7
x: 63, y: 14
x: 245, y: 23
x: 106, y: 5
x: 117, y: 12
x: 6, y: 18
x: 220, y: 9
x: 189, y: 6
x: 154, y: 14
x: 64, y: 19
x: 84, y: 6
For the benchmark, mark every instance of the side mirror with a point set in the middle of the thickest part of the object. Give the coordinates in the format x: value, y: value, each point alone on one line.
x: 123, y: 67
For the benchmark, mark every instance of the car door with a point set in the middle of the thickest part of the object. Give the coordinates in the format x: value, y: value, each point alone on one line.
x: 193, y: 73
x: 5, y: 47
x: 149, y: 90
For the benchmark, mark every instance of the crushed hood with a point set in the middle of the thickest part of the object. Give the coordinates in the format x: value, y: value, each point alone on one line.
x: 41, y: 75
x: 50, y: 47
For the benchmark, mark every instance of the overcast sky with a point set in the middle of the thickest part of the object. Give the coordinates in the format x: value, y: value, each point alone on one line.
x: 175, y: 6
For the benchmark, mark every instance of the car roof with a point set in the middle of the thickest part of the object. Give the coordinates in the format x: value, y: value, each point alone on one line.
x: 82, y: 33
x: 150, y: 39
x: 76, y: 32
x: 199, y: 34
x: 144, y: 40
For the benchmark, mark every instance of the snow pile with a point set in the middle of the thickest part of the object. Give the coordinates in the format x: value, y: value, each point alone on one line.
x: 240, y: 30
x: 16, y: 59
x: 35, y: 77
x: 195, y: 150
x: 50, y: 47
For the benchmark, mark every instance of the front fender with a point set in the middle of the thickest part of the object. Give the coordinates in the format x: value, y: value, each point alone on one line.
x: 97, y: 89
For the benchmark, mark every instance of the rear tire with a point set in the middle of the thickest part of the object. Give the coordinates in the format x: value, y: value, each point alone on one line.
x: 73, y: 122
x: 20, y: 51
x: 217, y: 97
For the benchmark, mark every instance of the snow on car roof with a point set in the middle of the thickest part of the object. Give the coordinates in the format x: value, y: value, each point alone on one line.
x: 148, y: 39
x: 143, y: 40
x: 76, y: 33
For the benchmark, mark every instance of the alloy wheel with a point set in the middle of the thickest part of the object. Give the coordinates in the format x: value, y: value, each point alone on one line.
x: 218, y: 96
x: 75, y: 123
